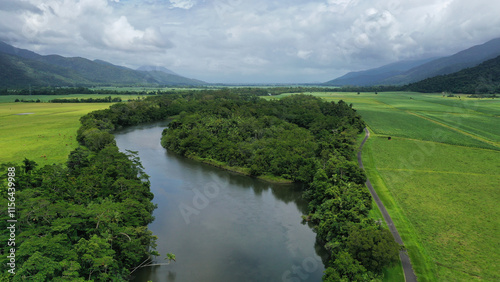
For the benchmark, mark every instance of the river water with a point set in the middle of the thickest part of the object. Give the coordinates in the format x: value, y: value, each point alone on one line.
x: 221, y: 226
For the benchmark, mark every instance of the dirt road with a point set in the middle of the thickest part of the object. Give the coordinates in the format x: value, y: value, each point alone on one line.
x: 403, y: 255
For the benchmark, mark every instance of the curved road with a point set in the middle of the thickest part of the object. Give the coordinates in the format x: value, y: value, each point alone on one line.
x: 403, y: 255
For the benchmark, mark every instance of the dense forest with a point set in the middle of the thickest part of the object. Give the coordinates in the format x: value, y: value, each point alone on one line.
x: 87, y: 219
x: 281, y: 138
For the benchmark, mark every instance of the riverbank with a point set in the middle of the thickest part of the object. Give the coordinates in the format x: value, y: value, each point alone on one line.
x: 241, y: 170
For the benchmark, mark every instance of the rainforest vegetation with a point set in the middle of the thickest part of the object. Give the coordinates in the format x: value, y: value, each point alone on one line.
x: 303, y: 139
x: 87, y: 219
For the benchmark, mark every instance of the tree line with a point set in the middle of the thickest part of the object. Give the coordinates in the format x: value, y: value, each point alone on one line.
x: 79, y: 90
x: 87, y: 100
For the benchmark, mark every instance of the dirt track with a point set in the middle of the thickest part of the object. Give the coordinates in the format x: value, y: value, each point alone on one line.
x: 403, y: 255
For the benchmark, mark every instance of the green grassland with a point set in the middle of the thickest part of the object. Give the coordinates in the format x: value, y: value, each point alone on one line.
x: 45, y: 136
x: 438, y: 177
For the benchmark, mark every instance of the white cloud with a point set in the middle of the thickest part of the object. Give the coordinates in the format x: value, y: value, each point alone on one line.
x: 85, y: 25
x: 240, y: 40
x: 182, y: 4
x: 303, y: 54
x: 120, y: 34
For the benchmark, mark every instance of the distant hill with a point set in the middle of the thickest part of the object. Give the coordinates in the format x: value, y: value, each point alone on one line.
x: 23, y: 53
x: 20, y: 72
x: 19, y: 67
x: 390, y: 75
x: 465, y: 59
x: 484, y: 78
x: 374, y: 76
x: 156, y: 68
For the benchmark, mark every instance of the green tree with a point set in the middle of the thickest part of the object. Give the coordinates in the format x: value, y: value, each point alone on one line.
x: 78, y: 159
x: 96, y: 139
x: 345, y: 268
x: 96, y: 257
x: 29, y: 165
x: 373, y: 246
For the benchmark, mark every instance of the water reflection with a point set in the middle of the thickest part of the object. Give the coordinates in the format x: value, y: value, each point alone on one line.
x: 221, y: 225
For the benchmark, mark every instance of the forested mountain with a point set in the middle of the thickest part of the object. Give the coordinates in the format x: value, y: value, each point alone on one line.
x: 461, y: 60
x: 470, y: 57
x: 484, y: 78
x: 21, y: 67
x: 20, y: 72
x: 373, y: 76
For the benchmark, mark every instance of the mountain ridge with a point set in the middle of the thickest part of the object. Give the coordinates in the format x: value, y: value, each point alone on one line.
x: 481, y: 79
x: 467, y: 58
x: 55, y: 70
x: 371, y: 76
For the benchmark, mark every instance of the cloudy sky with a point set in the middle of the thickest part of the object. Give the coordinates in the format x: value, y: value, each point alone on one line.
x: 250, y: 41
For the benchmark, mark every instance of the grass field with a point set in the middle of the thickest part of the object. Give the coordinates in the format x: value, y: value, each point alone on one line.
x: 438, y: 177
x: 47, y: 135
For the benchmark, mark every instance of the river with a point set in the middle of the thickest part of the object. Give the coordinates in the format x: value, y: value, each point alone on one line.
x: 221, y: 226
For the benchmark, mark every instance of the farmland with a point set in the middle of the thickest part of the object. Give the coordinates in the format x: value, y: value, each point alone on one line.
x: 43, y: 132
x: 438, y: 178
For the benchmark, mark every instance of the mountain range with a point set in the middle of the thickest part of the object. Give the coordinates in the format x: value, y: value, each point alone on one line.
x: 406, y: 72
x: 20, y: 67
x: 481, y: 79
